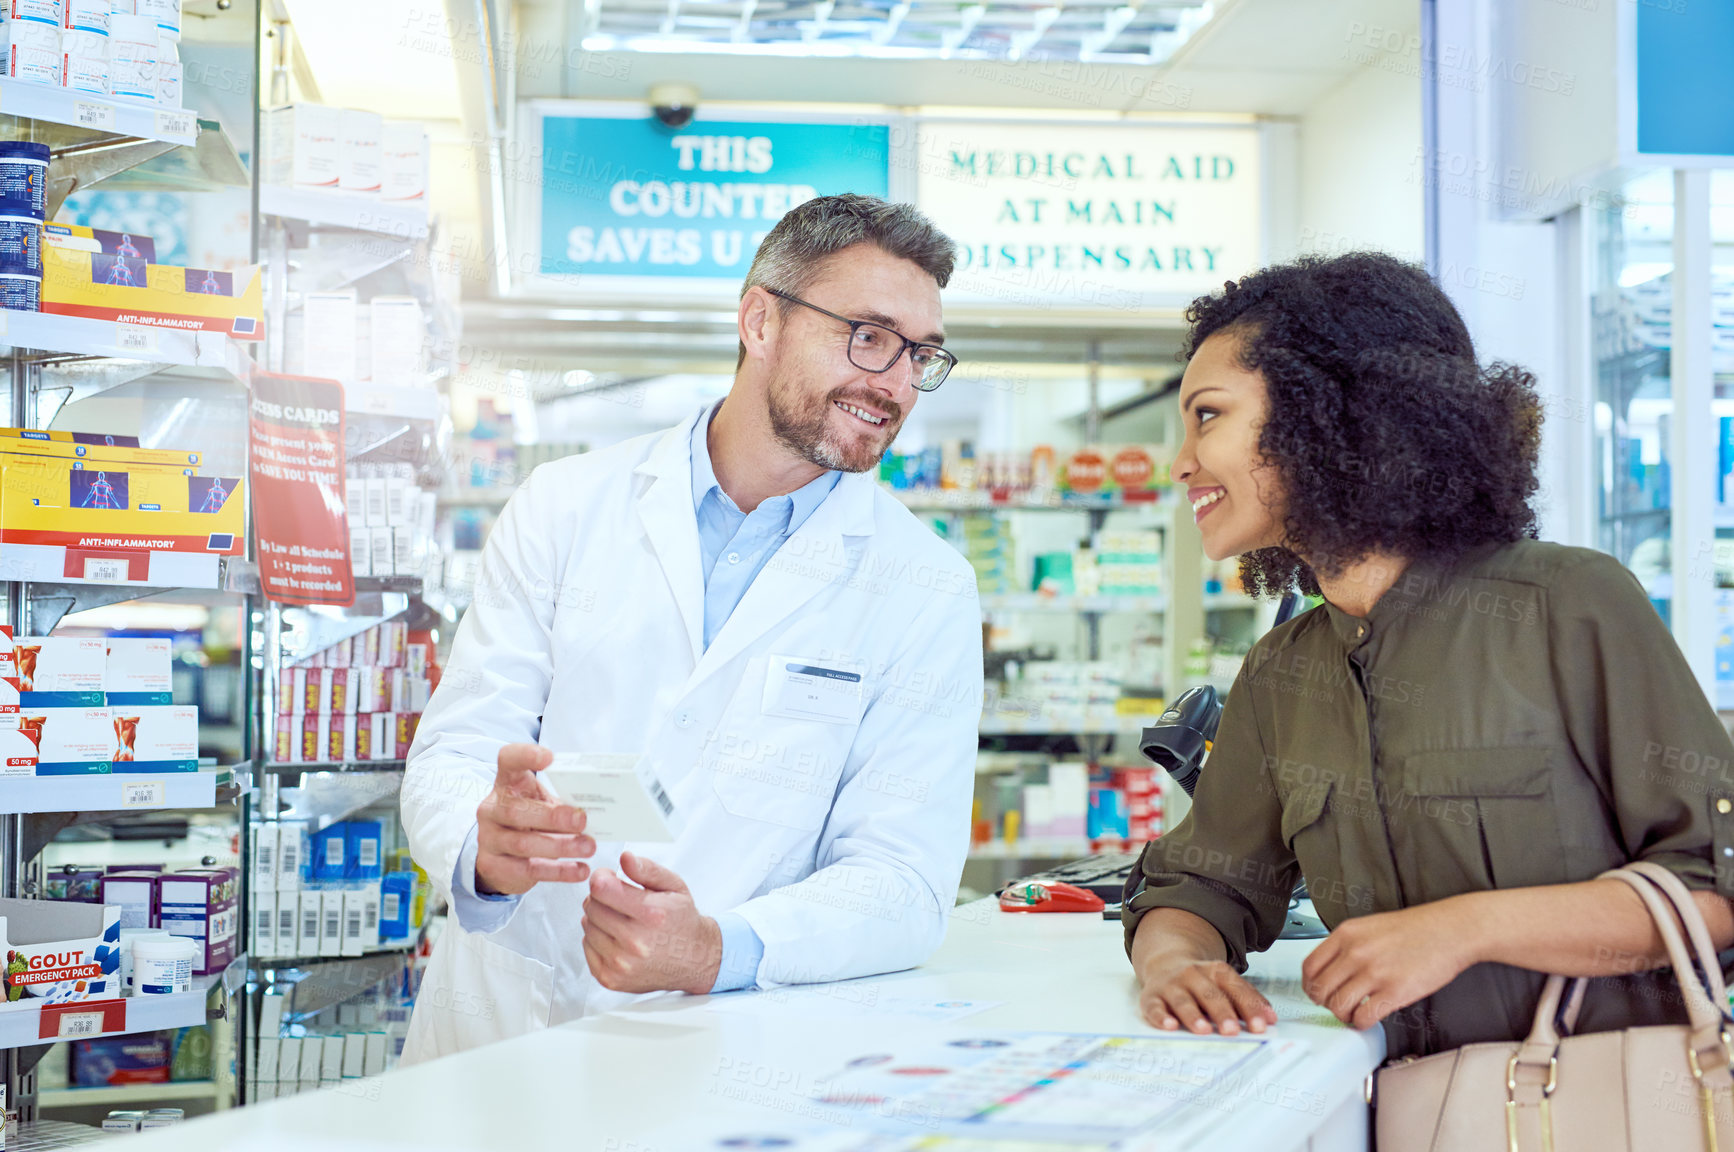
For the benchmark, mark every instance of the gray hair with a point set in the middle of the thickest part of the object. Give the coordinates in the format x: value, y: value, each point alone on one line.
x: 792, y: 254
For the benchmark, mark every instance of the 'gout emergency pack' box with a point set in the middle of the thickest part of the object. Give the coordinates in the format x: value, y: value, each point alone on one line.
x: 59, y: 953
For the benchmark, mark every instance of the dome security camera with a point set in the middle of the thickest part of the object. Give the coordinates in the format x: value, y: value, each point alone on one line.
x: 674, y: 105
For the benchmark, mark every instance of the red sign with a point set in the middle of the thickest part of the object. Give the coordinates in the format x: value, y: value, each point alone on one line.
x: 1133, y: 469
x: 1086, y: 471
x: 297, y: 463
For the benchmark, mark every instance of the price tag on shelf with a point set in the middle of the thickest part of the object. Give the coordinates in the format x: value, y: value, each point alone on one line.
x: 105, y: 570
x: 93, y: 114
x: 135, y: 337
x: 75, y: 1025
x: 143, y: 794
x: 177, y: 123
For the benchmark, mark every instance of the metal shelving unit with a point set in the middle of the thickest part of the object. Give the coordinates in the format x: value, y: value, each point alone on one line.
x: 53, y: 361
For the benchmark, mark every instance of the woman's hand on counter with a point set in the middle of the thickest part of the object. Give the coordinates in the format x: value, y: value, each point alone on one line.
x: 1185, y: 981
x: 1372, y: 966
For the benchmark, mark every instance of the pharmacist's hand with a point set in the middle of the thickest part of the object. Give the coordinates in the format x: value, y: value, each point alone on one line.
x: 648, y: 936
x: 1372, y: 966
x: 522, y: 837
x: 1202, y: 996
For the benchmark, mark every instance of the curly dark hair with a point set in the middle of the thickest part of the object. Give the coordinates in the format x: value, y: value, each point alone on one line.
x: 1385, y: 432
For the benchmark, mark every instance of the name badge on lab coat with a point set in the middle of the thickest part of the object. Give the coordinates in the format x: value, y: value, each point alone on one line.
x: 814, y: 690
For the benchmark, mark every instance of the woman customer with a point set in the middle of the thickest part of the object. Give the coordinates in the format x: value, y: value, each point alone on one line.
x: 1471, y: 727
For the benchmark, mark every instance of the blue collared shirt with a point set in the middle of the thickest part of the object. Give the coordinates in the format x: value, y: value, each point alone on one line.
x: 734, y: 547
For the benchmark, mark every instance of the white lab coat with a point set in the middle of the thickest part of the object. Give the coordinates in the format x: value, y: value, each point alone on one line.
x: 840, y: 843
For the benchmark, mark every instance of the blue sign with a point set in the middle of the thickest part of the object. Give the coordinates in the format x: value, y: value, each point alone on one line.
x: 1683, y: 68
x: 634, y: 198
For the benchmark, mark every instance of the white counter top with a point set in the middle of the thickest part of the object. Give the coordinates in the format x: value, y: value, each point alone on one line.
x: 676, y: 1072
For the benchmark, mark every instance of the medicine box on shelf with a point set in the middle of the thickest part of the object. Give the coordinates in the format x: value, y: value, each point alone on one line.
x: 59, y: 953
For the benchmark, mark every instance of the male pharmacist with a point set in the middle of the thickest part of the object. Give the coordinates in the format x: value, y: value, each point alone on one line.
x: 656, y: 599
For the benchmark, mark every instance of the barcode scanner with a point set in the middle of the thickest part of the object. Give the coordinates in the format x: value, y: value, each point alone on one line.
x: 1180, y: 742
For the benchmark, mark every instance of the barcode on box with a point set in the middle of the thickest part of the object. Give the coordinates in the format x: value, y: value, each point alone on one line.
x: 369, y: 853
x: 265, y: 857
x: 371, y: 912
x: 352, y: 929
x: 390, y: 906
x: 76, y: 1024
x: 334, y: 852
x: 333, y: 919
x: 662, y: 800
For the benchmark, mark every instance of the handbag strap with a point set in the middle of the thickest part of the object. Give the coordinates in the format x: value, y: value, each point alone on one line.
x: 1708, y: 1047
x: 1686, y: 908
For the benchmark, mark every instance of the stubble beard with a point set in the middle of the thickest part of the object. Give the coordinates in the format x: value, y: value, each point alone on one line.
x: 800, y: 422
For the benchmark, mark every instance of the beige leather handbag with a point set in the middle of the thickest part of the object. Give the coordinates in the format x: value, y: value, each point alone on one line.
x: 1666, y: 1087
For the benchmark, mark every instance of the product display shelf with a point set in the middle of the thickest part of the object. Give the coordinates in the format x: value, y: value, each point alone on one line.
x: 42, y: 1135
x: 325, y: 207
x: 475, y: 497
x: 118, y: 1095
x: 1229, y: 602
x: 95, y: 114
x: 1040, y: 602
x: 115, y: 792
x: 1032, y: 848
x: 412, y: 585
x: 1011, y: 724
x: 365, y: 399
x: 281, y: 963
x: 39, y: 335
x: 89, y: 1019
x: 137, y: 572
x: 273, y: 766
x: 977, y: 500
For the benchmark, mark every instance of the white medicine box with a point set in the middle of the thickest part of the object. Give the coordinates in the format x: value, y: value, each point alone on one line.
x: 266, y: 842
x: 160, y: 738
x: 358, y: 152
x: 305, y: 146
x: 138, y: 670
x: 403, y: 160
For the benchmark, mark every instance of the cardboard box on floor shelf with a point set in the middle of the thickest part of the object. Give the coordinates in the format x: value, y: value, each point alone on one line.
x: 59, y: 953
x: 128, y: 289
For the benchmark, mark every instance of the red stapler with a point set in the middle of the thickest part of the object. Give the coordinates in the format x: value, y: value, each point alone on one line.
x: 1048, y: 896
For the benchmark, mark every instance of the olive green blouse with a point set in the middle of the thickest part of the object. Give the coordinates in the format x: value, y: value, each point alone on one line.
x: 1521, y: 718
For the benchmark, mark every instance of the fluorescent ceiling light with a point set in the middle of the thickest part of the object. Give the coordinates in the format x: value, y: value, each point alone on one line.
x: 1094, y: 31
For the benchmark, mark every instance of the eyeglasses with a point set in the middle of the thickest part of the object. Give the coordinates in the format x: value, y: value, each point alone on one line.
x: 876, y: 348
